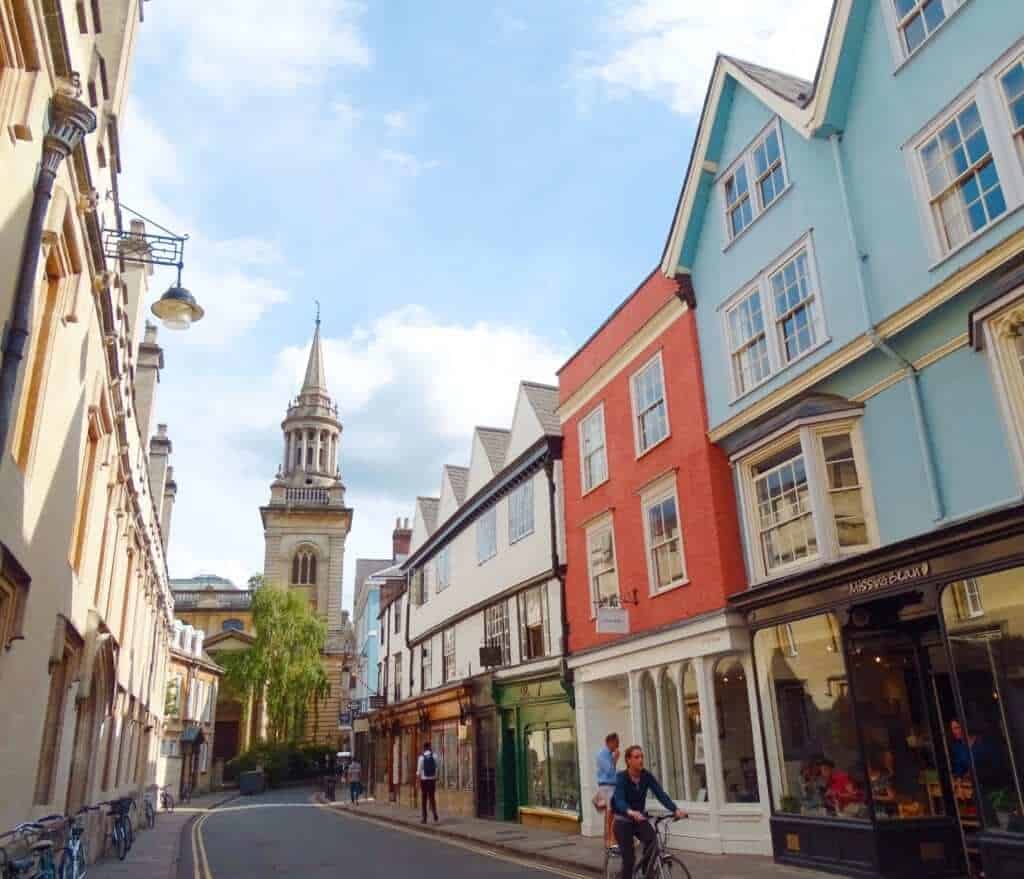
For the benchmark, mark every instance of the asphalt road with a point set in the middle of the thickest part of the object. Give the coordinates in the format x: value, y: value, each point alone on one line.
x: 282, y: 834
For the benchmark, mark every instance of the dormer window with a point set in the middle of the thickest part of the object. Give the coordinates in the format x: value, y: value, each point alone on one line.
x: 304, y: 568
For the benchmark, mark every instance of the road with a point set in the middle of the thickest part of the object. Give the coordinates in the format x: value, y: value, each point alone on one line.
x: 281, y: 834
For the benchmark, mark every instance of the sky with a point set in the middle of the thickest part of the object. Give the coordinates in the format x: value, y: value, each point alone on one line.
x: 467, y: 188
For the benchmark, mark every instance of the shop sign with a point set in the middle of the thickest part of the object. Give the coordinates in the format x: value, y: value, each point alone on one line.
x: 612, y: 621
x: 344, y: 719
x: 896, y: 577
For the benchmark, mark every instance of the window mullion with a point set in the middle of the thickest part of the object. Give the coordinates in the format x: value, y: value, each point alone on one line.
x: 998, y: 126
x: 771, y: 325
x: 821, y: 507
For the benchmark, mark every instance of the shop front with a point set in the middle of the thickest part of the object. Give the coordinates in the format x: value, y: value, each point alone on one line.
x: 537, y: 773
x: 891, y: 695
x: 684, y: 694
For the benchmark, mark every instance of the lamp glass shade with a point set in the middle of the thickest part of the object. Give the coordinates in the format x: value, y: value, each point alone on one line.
x: 177, y: 309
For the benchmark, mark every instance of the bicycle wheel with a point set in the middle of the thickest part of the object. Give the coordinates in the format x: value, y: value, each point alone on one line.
x: 120, y: 841
x: 129, y: 830
x: 670, y: 867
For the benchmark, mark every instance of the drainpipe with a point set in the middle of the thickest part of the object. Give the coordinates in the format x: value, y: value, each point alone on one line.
x: 558, y: 570
x: 70, y: 121
x: 879, y: 344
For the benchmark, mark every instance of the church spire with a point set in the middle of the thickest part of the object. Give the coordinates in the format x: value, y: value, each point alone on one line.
x: 316, y: 379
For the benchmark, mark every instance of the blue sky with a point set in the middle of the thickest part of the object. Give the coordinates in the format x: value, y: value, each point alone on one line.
x: 468, y: 188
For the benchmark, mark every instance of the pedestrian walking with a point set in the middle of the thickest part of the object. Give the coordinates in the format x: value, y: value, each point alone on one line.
x: 426, y: 774
x: 355, y: 780
x: 607, y: 767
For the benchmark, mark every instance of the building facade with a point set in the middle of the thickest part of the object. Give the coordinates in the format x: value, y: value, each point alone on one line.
x: 305, y: 526
x: 855, y: 246
x: 654, y: 553
x: 85, y: 609
x: 187, y: 749
x: 473, y: 649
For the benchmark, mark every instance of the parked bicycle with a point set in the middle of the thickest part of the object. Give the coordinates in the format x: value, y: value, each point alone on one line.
x: 74, y: 859
x: 661, y: 865
x: 186, y: 793
x: 32, y: 837
x: 166, y: 799
x: 149, y: 808
x: 121, y: 835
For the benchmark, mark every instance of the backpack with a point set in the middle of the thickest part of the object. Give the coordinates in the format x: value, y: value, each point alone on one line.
x: 429, y: 766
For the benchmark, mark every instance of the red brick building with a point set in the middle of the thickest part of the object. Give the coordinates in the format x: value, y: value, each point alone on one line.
x: 653, y: 552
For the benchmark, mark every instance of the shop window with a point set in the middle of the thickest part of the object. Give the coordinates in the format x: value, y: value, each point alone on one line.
x: 496, y: 630
x: 807, y: 500
x: 802, y: 682
x: 735, y: 732
x: 649, y: 716
x: 533, y: 623
x: 672, y: 746
x: 551, y: 772
x: 694, y: 762
x: 988, y: 657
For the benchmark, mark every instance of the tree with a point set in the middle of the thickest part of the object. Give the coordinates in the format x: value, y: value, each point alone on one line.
x: 283, y: 662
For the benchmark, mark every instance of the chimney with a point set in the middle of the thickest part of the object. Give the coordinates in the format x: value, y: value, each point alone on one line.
x: 167, y: 508
x: 401, y: 539
x: 159, y: 457
x: 147, y: 377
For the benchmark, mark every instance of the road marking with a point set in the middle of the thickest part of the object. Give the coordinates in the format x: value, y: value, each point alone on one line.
x: 458, y: 843
x: 200, y: 864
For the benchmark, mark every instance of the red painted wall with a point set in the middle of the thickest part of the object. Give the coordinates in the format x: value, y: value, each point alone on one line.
x: 707, y: 507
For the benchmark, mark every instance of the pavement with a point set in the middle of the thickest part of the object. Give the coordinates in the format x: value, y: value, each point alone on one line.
x: 155, y: 852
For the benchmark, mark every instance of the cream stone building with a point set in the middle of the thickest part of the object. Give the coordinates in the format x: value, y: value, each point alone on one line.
x: 305, y: 526
x: 85, y: 494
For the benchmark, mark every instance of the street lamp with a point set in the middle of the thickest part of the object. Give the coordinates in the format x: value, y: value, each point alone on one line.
x: 177, y: 308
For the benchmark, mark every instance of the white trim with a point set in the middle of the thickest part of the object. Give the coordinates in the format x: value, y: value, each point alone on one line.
x: 598, y: 412
x: 606, y: 522
x: 1008, y: 384
x: 900, y: 55
x: 638, y: 448
x: 745, y: 158
x: 662, y: 490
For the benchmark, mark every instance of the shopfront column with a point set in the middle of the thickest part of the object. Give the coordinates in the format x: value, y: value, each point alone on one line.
x: 636, y: 707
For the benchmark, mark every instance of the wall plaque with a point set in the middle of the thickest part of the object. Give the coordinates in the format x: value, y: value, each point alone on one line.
x: 896, y: 577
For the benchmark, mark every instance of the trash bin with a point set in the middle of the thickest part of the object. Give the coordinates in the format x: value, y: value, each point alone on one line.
x: 251, y: 782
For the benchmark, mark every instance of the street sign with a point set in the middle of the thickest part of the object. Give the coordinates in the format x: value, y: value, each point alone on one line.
x: 612, y: 621
x: 377, y: 702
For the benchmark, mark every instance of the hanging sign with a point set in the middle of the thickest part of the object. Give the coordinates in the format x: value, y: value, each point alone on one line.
x: 612, y: 621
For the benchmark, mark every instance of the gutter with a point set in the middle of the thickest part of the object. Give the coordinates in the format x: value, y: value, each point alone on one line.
x: 879, y: 344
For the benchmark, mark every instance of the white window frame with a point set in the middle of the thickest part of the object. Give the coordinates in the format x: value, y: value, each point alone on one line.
x: 665, y: 489
x: 497, y: 629
x: 1002, y: 322
x: 900, y: 53
x: 809, y: 435
x: 520, y: 512
x: 426, y: 665
x: 746, y: 160
x: 761, y: 285
x: 605, y: 523
x: 443, y: 568
x: 487, y: 527
x: 641, y: 449
x: 448, y: 675
x: 397, y: 682
x: 973, y: 602
x: 987, y: 94
x: 1016, y: 131
x: 596, y: 414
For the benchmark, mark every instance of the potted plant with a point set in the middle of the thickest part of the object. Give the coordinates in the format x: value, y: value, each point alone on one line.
x: 1003, y: 804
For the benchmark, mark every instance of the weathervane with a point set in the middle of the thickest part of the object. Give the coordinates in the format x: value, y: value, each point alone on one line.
x: 317, y: 301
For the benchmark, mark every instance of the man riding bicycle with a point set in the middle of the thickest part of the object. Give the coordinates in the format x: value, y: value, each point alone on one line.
x: 629, y: 803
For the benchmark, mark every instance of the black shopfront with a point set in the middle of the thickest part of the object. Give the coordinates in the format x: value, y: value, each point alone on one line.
x: 891, y: 697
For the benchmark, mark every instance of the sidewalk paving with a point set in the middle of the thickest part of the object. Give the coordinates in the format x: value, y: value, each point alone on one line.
x: 155, y: 852
x: 560, y: 850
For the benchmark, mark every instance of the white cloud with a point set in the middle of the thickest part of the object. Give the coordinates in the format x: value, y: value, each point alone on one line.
x: 666, y: 49
x: 258, y: 46
x: 398, y: 121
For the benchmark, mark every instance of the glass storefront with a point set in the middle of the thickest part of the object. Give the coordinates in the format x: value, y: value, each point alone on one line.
x: 735, y: 732
x: 551, y: 771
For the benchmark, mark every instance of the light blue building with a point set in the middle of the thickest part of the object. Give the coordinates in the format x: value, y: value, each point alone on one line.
x: 856, y: 250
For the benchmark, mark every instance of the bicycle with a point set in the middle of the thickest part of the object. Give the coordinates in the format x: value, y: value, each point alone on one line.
x: 186, y: 793
x: 120, y: 832
x: 166, y: 800
x: 75, y: 858
x: 149, y: 811
x: 660, y: 865
x: 39, y: 862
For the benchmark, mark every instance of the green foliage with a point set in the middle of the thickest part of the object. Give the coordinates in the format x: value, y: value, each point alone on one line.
x: 283, y: 663
x: 281, y: 762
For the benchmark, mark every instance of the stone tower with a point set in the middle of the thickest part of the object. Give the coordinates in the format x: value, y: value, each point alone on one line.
x: 305, y: 526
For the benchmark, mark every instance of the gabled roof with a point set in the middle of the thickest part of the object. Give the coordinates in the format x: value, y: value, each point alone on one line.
x: 459, y: 479
x: 367, y: 567
x: 228, y: 635
x: 495, y: 443
x: 428, y: 509
x: 791, y: 88
x: 544, y: 400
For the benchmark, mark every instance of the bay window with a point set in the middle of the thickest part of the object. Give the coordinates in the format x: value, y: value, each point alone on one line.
x: 805, y: 498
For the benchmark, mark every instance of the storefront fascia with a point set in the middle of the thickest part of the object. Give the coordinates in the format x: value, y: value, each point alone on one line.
x: 912, y: 630
x: 717, y: 758
x: 538, y: 772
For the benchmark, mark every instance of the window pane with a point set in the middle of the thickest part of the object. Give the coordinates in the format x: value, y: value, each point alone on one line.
x: 649, y: 703
x: 693, y: 761
x: 564, y: 776
x: 802, y: 683
x: 783, y: 509
x: 736, y: 732
x: 845, y: 491
x: 537, y: 790
x: 673, y: 780
x: 986, y: 635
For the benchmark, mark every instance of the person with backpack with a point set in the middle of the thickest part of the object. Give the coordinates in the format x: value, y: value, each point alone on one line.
x: 426, y: 774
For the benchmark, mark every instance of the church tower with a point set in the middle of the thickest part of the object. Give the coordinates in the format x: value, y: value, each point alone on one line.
x: 305, y: 526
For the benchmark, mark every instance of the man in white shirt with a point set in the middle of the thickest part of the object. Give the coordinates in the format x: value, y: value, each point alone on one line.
x: 426, y: 774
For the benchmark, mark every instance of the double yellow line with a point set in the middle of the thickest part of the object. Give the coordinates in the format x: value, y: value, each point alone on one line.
x: 200, y: 864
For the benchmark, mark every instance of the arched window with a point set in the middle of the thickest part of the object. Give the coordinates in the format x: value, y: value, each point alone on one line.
x: 304, y: 568
x: 693, y: 761
x: 232, y: 625
x: 297, y: 444
x: 323, y: 451
x: 673, y: 780
x: 649, y: 702
x: 736, y: 732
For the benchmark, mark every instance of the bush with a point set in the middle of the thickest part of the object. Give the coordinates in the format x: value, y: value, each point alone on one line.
x: 280, y: 762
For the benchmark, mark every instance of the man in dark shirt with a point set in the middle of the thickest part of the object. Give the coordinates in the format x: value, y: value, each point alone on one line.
x: 629, y: 802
